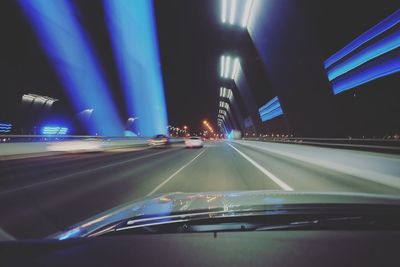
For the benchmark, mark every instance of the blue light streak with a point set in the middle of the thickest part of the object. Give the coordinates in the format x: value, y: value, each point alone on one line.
x: 381, y: 47
x: 270, y: 110
x: 68, y: 49
x: 133, y: 34
x: 366, y: 75
x: 381, y: 27
x: 70, y: 234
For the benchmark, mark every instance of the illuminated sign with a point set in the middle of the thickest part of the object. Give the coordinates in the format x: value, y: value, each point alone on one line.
x: 271, y: 110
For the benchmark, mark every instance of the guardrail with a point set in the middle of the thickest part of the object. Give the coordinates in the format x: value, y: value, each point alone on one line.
x: 370, y: 144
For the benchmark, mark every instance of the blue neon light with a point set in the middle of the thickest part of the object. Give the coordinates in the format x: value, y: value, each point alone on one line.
x: 70, y: 234
x: 65, y: 43
x: 54, y: 130
x: 381, y: 27
x: 271, y: 110
x: 134, y: 38
x: 381, y: 47
x: 363, y: 76
x: 5, y: 127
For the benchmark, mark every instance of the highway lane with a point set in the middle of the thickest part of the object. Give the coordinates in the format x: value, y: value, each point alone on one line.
x: 40, y: 196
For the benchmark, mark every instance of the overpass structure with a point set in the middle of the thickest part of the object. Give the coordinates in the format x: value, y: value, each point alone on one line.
x: 285, y: 85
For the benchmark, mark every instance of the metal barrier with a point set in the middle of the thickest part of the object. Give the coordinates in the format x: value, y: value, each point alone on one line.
x: 369, y: 144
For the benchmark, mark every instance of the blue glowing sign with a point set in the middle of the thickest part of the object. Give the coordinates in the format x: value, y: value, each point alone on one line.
x: 271, y: 110
x: 67, y: 47
x: 134, y: 38
x: 54, y: 130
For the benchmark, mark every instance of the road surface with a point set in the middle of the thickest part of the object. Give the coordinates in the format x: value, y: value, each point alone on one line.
x: 40, y: 196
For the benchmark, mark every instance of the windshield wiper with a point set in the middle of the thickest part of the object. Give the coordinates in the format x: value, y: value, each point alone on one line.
x: 261, y: 223
x: 322, y: 223
x: 313, y: 217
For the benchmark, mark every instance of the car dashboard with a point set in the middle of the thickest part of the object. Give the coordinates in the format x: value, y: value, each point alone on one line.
x: 269, y: 248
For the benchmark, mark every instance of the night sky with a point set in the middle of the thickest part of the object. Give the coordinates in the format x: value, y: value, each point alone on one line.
x: 191, y: 41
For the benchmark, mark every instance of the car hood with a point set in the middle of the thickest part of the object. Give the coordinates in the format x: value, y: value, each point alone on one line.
x: 208, y: 202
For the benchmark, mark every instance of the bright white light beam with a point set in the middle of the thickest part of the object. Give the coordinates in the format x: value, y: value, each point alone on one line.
x: 223, y: 15
x: 222, y: 65
x: 246, y: 14
x: 235, y: 68
x: 227, y: 65
x: 233, y: 12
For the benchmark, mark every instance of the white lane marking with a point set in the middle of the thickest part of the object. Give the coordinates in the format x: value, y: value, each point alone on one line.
x: 118, y: 150
x: 175, y: 173
x: 278, y: 181
x: 81, y: 172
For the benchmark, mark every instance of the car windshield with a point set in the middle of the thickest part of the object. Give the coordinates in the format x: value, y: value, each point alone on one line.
x: 114, y: 109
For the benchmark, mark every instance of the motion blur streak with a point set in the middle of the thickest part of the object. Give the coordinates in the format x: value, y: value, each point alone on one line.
x: 64, y: 42
x: 378, y: 29
x: 387, y: 67
x: 381, y: 47
x: 372, y: 55
x: 133, y: 34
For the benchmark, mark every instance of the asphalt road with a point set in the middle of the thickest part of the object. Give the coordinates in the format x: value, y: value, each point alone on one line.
x: 40, y: 196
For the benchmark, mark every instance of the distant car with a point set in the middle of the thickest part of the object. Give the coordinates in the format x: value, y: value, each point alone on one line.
x: 159, y: 140
x: 194, y: 141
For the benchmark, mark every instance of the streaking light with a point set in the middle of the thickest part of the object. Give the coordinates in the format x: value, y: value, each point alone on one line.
x: 378, y: 29
x: 246, y: 14
x: 270, y: 110
x: 235, y: 68
x: 229, y: 67
x: 223, y: 15
x: 353, y: 68
x: 223, y: 112
x: 225, y: 93
x: 233, y: 12
x: 381, y: 47
x: 224, y: 105
x: 228, y: 64
x: 365, y: 75
x: 239, y: 12
x: 222, y: 66
x: 133, y: 34
x: 68, y: 49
